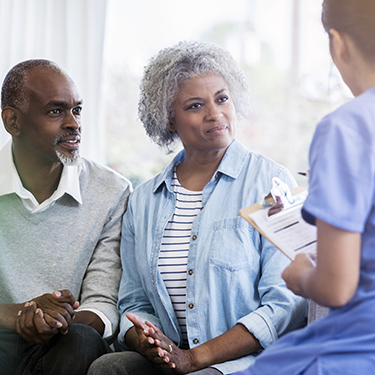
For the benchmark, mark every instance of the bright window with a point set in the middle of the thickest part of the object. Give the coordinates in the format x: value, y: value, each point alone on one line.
x: 280, y: 44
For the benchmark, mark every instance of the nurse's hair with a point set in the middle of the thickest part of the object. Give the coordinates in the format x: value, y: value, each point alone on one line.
x: 171, y: 66
x: 356, y: 18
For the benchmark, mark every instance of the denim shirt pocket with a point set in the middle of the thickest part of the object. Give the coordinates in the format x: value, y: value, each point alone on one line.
x: 234, y: 244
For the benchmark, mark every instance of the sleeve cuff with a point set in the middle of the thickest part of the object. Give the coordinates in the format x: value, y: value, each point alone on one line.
x: 261, y: 327
x: 107, y: 323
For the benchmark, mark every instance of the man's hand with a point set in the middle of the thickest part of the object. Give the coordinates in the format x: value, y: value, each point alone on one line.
x: 45, y: 316
x: 32, y: 326
x: 57, y: 308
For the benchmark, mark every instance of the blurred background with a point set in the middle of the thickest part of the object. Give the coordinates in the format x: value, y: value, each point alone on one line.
x: 105, y: 44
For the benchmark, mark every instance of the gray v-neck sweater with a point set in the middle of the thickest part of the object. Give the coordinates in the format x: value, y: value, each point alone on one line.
x: 67, y: 246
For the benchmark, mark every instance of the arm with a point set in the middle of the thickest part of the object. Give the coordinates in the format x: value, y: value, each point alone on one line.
x: 334, y: 280
x: 91, y: 319
x: 276, y: 304
x: 8, y: 315
x: 41, y: 318
x: 100, y: 285
x: 132, y: 295
x: 235, y: 343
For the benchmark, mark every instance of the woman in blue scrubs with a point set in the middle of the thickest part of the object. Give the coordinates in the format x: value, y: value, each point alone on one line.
x: 341, y: 203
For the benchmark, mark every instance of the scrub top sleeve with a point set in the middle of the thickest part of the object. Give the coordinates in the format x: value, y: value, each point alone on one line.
x: 341, y: 175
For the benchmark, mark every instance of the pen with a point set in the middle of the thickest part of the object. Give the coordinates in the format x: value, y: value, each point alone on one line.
x: 307, y: 173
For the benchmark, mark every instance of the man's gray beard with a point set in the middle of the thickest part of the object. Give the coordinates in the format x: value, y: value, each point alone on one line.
x: 69, y: 161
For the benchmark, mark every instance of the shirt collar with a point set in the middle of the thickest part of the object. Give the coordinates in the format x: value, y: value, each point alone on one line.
x: 231, y: 164
x: 10, y: 181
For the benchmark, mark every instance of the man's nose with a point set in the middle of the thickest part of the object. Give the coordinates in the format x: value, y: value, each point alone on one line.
x: 72, y: 121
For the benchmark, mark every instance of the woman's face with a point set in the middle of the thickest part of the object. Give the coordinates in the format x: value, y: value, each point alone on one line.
x: 204, y: 114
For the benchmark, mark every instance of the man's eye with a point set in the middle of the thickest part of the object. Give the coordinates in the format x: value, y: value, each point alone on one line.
x: 77, y: 110
x: 55, y: 111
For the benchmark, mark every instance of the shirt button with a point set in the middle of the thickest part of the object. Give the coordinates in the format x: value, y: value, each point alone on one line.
x: 194, y: 237
x: 190, y: 272
x: 195, y: 341
x: 191, y: 305
x: 217, y: 175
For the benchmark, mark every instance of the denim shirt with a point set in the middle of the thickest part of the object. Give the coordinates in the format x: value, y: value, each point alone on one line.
x: 234, y: 274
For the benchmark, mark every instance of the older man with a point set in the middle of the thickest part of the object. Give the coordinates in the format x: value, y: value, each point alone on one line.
x: 60, y: 223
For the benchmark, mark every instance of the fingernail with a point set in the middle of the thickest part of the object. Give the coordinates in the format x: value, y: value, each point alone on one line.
x: 58, y: 325
x: 27, y: 304
x: 19, y: 313
x: 58, y: 294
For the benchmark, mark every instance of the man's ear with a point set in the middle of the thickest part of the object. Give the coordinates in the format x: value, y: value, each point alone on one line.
x: 10, y: 121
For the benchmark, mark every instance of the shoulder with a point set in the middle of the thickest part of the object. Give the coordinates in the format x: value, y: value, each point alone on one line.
x: 99, y: 178
x: 147, y: 187
x: 240, y: 157
x: 354, y: 118
x: 159, y: 181
x: 265, y: 168
x: 252, y: 172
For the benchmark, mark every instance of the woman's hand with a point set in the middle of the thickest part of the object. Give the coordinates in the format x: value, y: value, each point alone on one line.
x: 180, y: 360
x: 294, y: 274
x: 139, y: 339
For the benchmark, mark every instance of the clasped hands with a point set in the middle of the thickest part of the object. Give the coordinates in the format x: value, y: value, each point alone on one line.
x: 158, y: 349
x: 45, y: 316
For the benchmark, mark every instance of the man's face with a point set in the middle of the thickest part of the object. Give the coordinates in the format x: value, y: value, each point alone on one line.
x: 50, y: 128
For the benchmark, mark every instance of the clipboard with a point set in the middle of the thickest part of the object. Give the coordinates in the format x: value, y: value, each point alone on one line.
x: 286, y: 230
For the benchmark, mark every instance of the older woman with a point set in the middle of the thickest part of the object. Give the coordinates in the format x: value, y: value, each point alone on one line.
x: 201, y: 290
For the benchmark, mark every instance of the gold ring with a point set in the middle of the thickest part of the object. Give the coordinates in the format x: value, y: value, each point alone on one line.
x: 170, y: 349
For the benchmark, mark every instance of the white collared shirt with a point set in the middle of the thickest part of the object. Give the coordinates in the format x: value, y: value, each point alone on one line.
x: 10, y: 183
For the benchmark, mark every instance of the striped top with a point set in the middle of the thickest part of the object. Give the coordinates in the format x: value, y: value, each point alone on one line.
x: 174, y: 249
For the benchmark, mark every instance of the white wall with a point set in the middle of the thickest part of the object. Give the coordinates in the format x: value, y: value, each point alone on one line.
x: 69, y: 32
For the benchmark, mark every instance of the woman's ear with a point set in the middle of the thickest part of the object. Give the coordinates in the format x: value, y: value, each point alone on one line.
x: 338, y: 45
x: 10, y: 121
x: 172, y: 127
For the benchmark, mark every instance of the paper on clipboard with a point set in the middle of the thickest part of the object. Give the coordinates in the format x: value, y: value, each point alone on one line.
x: 286, y: 230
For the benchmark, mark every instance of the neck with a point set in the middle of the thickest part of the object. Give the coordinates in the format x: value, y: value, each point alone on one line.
x: 366, y: 83
x: 196, y: 170
x: 40, y: 179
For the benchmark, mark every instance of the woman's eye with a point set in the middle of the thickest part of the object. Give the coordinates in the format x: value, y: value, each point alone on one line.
x: 223, y: 99
x: 195, y: 106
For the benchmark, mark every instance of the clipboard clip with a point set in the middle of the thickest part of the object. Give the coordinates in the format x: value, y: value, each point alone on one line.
x: 280, y: 190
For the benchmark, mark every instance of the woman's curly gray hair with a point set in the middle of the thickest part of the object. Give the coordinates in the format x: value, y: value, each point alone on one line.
x: 173, y: 65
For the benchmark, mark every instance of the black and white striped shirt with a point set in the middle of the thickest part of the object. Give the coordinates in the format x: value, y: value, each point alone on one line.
x: 174, y: 249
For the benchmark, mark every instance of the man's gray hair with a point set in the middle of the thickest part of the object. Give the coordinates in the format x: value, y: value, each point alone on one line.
x: 171, y: 66
x: 13, y: 91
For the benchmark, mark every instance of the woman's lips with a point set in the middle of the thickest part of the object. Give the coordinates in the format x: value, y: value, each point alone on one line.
x: 218, y: 129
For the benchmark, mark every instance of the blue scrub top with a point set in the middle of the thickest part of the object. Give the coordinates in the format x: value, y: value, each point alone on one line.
x: 341, y: 193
